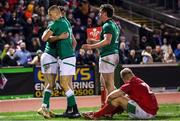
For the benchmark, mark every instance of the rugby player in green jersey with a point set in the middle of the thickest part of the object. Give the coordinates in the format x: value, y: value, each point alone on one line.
x: 108, y: 46
x: 49, y: 68
x: 66, y: 54
x: 74, y: 43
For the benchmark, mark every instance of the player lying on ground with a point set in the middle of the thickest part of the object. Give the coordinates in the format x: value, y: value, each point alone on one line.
x: 134, y: 96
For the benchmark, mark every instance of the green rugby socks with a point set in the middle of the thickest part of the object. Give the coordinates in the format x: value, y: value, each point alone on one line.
x: 46, y: 98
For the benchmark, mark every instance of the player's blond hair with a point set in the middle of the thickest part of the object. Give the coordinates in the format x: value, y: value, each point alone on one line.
x: 126, y: 72
x: 54, y: 8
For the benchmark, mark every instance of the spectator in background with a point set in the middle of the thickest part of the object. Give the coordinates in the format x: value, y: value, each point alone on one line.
x: 177, y: 53
x: 42, y: 11
x: 44, y: 3
x: 143, y: 31
x: 81, y: 57
x: 3, y: 40
x: 6, y: 13
x: 133, y: 58
x: 36, y: 23
x: 157, y: 38
x: 90, y: 22
x: 15, y: 20
x: 123, y: 53
x: 29, y: 11
x: 4, y: 52
x: 10, y: 39
x: 23, y: 56
x: 90, y: 57
x: 123, y: 39
x: 28, y: 33
x: 134, y: 44
x: 79, y: 42
x: 143, y: 42
x: 82, y: 11
x: 147, y: 55
x: 70, y: 17
x: 120, y: 27
x: 2, y: 22
x: 12, y: 4
x: 9, y: 59
x: 80, y: 33
x: 157, y: 54
x: 169, y: 57
x: 36, y: 59
x: 36, y: 44
x: 165, y: 46
x: 41, y: 30
x: 16, y: 39
x: 175, y: 40
x: 163, y: 29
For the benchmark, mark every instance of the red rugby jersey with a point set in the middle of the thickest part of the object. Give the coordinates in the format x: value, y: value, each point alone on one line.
x: 140, y: 92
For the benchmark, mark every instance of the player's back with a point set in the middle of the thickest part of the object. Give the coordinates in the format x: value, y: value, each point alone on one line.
x: 64, y: 47
x: 142, y: 94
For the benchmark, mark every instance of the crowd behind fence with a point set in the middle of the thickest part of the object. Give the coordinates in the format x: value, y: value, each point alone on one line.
x: 22, y: 23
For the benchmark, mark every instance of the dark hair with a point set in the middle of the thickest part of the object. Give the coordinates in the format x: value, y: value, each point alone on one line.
x: 83, y: 1
x: 61, y: 8
x: 108, y: 8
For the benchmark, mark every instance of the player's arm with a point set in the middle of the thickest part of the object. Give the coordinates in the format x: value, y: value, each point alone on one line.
x: 74, y: 43
x: 62, y: 36
x: 104, y: 42
x: 46, y: 35
x: 34, y: 61
x: 92, y: 41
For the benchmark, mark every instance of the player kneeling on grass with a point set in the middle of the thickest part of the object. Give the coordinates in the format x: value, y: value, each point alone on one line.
x: 134, y: 96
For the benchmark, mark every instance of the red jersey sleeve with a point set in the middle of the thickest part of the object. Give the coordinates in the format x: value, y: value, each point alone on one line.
x: 125, y: 88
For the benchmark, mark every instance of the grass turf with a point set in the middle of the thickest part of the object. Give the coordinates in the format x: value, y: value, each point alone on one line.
x: 166, y: 112
x: 9, y: 97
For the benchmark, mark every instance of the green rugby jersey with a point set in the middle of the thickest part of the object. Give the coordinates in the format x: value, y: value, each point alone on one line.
x: 110, y: 27
x: 64, y: 47
x: 50, y: 47
x: 69, y: 24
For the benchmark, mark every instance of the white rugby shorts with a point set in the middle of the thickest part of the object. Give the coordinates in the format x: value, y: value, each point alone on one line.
x: 49, y: 64
x: 107, y: 64
x: 136, y: 112
x: 67, y: 66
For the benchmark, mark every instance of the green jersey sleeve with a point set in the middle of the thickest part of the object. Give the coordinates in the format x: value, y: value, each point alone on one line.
x: 107, y: 29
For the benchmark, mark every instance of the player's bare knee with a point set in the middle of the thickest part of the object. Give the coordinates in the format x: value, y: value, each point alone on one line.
x: 114, y: 102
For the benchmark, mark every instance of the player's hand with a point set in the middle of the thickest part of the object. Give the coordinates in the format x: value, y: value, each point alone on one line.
x: 91, y: 40
x: 64, y: 35
x: 86, y: 46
